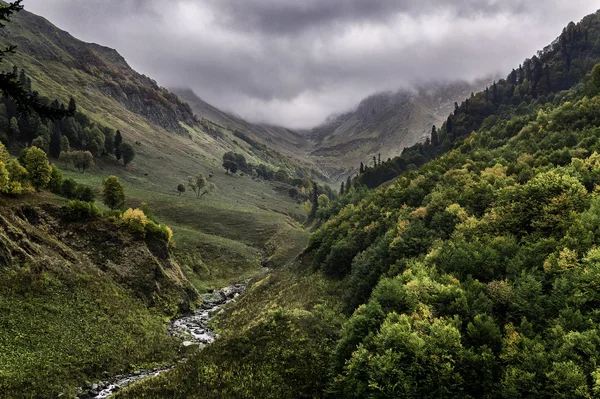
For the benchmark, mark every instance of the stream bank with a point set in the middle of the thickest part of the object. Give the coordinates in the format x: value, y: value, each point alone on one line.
x: 191, y: 330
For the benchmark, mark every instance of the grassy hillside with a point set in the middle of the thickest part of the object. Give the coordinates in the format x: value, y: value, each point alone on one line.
x: 221, y: 237
x: 78, y: 300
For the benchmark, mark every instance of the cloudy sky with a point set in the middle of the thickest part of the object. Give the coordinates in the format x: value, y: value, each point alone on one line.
x: 294, y: 62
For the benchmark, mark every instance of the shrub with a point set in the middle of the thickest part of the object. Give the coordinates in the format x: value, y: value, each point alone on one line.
x: 79, y: 211
x: 56, y: 180
x: 85, y: 193
x: 158, y: 231
x: 136, y: 220
x: 69, y: 188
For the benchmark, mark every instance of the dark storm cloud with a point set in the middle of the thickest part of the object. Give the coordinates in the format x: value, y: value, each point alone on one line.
x: 285, y: 16
x: 294, y: 62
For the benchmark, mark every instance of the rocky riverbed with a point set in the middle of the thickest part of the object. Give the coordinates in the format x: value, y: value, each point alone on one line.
x: 192, y: 330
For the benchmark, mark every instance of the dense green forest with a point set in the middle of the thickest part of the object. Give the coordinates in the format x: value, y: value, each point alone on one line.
x: 476, y: 275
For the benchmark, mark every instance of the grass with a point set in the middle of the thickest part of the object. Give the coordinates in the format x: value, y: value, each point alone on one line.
x: 276, y: 342
x: 221, y: 238
x: 59, y: 328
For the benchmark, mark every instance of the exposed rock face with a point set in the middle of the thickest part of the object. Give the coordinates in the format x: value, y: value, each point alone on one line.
x: 387, y: 122
x: 109, y: 73
x: 39, y: 235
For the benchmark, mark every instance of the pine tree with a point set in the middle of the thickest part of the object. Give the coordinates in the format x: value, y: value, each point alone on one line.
x: 435, y: 141
x: 118, y: 142
x: 9, y: 81
x: 315, y: 201
x: 374, y: 161
x: 348, y: 184
x: 379, y: 159
x: 55, y: 141
x: 362, y: 168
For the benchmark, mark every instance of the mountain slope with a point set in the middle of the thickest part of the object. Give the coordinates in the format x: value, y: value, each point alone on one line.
x: 387, y: 122
x: 77, y: 298
x: 286, y: 141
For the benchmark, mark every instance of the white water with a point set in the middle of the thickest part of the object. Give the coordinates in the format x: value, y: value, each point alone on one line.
x: 192, y: 330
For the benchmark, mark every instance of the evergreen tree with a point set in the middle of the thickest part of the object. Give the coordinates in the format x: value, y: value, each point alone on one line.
x: 435, y: 141
x: 13, y: 129
x: 315, y: 202
x: 379, y: 159
x: 342, y: 189
x: 9, y: 81
x: 55, y: 142
x: 449, y: 126
x: 181, y: 189
x: 117, y: 144
x: 348, y: 184
x: 362, y: 168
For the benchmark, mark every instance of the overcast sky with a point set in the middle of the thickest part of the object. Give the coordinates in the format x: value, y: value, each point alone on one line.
x: 294, y: 62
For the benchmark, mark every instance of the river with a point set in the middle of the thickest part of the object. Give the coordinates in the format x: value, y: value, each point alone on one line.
x: 192, y: 330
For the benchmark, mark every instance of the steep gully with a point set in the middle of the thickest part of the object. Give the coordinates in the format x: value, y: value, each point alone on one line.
x: 192, y: 330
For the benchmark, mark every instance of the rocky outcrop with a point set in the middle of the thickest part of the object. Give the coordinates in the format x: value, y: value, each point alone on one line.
x: 38, y: 235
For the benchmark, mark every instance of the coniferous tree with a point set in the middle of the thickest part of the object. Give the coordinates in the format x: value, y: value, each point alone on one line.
x: 362, y: 168
x: 315, y: 201
x: 449, y: 126
x: 10, y: 86
x: 55, y: 142
x: 348, y: 184
x: 117, y: 144
x: 435, y: 141
x: 342, y: 189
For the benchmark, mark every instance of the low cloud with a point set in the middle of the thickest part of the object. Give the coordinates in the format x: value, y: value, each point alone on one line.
x: 295, y: 62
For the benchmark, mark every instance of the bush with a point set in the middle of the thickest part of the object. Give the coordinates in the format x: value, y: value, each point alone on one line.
x: 69, y: 188
x: 79, y: 211
x: 136, y: 220
x: 154, y: 230
x: 85, y: 193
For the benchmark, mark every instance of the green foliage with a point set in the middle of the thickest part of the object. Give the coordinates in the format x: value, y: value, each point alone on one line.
x: 283, y: 357
x: 113, y: 193
x: 56, y: 180
x: 127, y: 153
x: 81, y: 211
x: 82, y: 160
x: 38, y: 167
x: 472, y: 275
x: 61, y: 327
